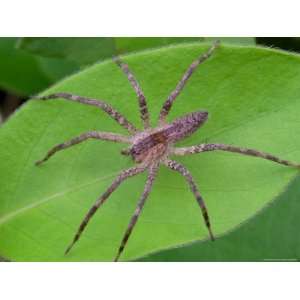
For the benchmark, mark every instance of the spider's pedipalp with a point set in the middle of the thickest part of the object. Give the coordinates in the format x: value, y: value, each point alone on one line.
x: 152, y: 174
x: 125, y: 152
x: 171, y: 98
x: 93, y: 102
x: 230, y: 148
x: 108, y: 136
x: 134, y: 83
x: 173, y: 165
x: 122, y: 176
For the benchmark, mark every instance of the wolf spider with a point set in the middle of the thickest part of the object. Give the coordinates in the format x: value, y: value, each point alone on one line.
x: 152, y: 146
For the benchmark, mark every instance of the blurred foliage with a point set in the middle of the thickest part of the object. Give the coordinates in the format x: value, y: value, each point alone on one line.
x: 20, y: 72
x: 29, y: 65
x: 79, y: 50
x: 55, y: 68
x: 131, y: 44
x: 85, y: 51
x: 23, y: 73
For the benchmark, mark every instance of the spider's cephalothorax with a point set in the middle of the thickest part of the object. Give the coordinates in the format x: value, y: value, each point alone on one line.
x: 151, y: 147
x: 156, y: 142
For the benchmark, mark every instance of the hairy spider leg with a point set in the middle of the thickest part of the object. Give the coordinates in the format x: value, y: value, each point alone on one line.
x: 171, y: 98
x: 173, y: 165
x: 141, y: 98
x: 108, y: 136
x: 93, y: 102
x: 245, y: 151
x: 122, y: 176
x: 149, y: 183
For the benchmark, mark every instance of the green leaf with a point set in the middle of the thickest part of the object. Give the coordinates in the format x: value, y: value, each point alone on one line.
x: 80, y: 50
x: 252, y: 97
x: 270, y: 236
x: 20, y: 72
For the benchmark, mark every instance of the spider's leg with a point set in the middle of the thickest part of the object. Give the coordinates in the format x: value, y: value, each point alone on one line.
x: 140, y: 205
x: 93, y: 102
x: 171, y: 98
x: 122, y: 176
x: 142, y: 100
x: 88, y: 135
x: 183, y: 171
x: 229, y: 148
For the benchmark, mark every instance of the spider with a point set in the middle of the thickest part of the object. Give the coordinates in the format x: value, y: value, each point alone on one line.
x: 151, y: 147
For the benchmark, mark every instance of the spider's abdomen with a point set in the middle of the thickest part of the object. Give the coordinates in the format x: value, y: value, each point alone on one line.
x: 158, y: 140
x: 185, y: 126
